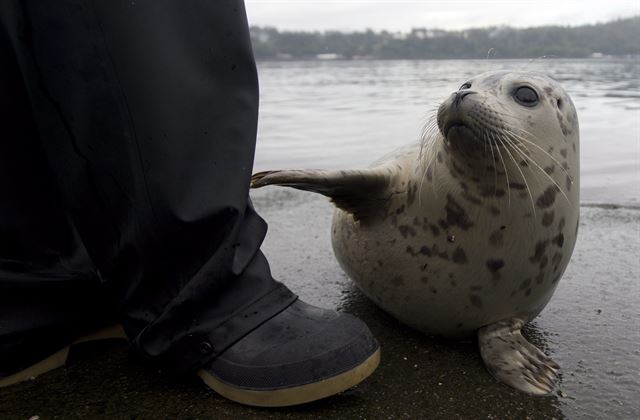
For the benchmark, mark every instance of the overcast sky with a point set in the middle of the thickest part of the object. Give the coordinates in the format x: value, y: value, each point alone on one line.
x: 402, y: 15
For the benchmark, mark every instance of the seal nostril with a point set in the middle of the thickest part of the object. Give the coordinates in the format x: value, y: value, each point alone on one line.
x: 460, y: 95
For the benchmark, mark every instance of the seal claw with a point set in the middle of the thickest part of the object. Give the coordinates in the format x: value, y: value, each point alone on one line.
x: 511, y: 359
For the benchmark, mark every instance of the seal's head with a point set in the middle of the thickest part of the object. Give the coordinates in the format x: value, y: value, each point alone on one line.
x: 503, y: 109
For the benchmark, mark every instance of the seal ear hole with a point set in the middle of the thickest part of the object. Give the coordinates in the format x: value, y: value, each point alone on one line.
x: 560, y: 103
x: 466, y: 85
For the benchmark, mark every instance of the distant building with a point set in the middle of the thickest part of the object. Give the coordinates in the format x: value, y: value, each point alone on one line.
x: 329, y: 56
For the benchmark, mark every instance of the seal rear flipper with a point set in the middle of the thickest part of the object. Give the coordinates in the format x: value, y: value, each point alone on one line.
x: 511, y: 359
x: 358, y: 192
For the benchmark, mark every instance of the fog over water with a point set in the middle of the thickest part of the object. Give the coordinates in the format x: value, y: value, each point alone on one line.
x: 346, y: 114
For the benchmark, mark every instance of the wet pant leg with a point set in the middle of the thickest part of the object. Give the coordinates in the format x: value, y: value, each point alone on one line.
x: 146, y: 115
x: 49, y: 289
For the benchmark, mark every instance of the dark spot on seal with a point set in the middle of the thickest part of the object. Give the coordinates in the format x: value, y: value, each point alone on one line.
x: 397, y: 281
x: 451, y: 238
x: 517, y: 186
x: 459, y: 325
x: 459, y: 256
x: 540, y: 249
x: 494, y: 264
x: 565, y: 130
x: 561, y: 224
x: 410, y: 251
x: 424, y: 250
x: 496, y: 239
x: 434, y: 290
x: 416, y: 222
x: 559, y: 240
x: 494, y: 210
x: 540, y: 277
x: 456, y: 215
x: 550, y: 169
x: 429, y: 173
x: 475, y: 301
x: 547, y: 198
x: 556, y: 278
x: 424, y: 280
x: 528, y: 292
x: 547, y: 218
x: 400, y: 209
x: 470, y: 198
x: 439, y: 157
x: 555, y: 260
x: 406, y: 230
x: 380, y: 263
x: 525, y: 284
x: 434, y: 230
x: 475, y: 288
x: 411, y: 194
x: 544, y: 261
x: 563, y: 152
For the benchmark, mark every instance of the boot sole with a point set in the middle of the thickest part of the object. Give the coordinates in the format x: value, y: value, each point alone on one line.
x: 59, y: 358
x: 294, y: 395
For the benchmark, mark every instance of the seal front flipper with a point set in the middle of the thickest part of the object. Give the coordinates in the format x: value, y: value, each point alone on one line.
x: 510, y: 358
x: 356, y: 191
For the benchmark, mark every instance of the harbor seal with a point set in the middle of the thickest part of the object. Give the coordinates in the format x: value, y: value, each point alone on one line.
x: 469, y: 230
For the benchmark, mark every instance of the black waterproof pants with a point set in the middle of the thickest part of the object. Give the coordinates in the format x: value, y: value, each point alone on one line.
x: 127, y: 135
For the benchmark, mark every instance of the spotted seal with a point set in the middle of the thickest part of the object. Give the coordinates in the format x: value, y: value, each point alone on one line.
x: 469, y: 230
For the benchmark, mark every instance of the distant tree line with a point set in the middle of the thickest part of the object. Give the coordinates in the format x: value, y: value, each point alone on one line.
x: 617, y: 38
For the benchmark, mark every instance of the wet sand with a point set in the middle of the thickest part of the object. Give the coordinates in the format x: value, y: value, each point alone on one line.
x: 591, y: 328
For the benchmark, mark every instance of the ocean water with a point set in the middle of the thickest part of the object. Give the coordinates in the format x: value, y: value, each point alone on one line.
x: 346, y: 114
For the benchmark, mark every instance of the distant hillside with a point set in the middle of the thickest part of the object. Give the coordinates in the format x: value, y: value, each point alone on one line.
x: 616, y: 38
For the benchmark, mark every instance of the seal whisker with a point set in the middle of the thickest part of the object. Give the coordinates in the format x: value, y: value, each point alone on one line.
x: 533, y: 208
x: 552, y: 180
x: 520, y: 134
x: 543, y: 151
x: 523, y: 154
x: 426, y: 169
x: 495, y: 166
x: 506, y: 173
x: 428, y: 129
x: 518, y: 147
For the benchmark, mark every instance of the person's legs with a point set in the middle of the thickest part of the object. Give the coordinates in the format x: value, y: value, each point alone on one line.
x: 147, y: 115
x: 49, y: 290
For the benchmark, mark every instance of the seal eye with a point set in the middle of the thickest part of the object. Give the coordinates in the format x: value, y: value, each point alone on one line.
x: 526, y: 96
x: 467, y: 85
